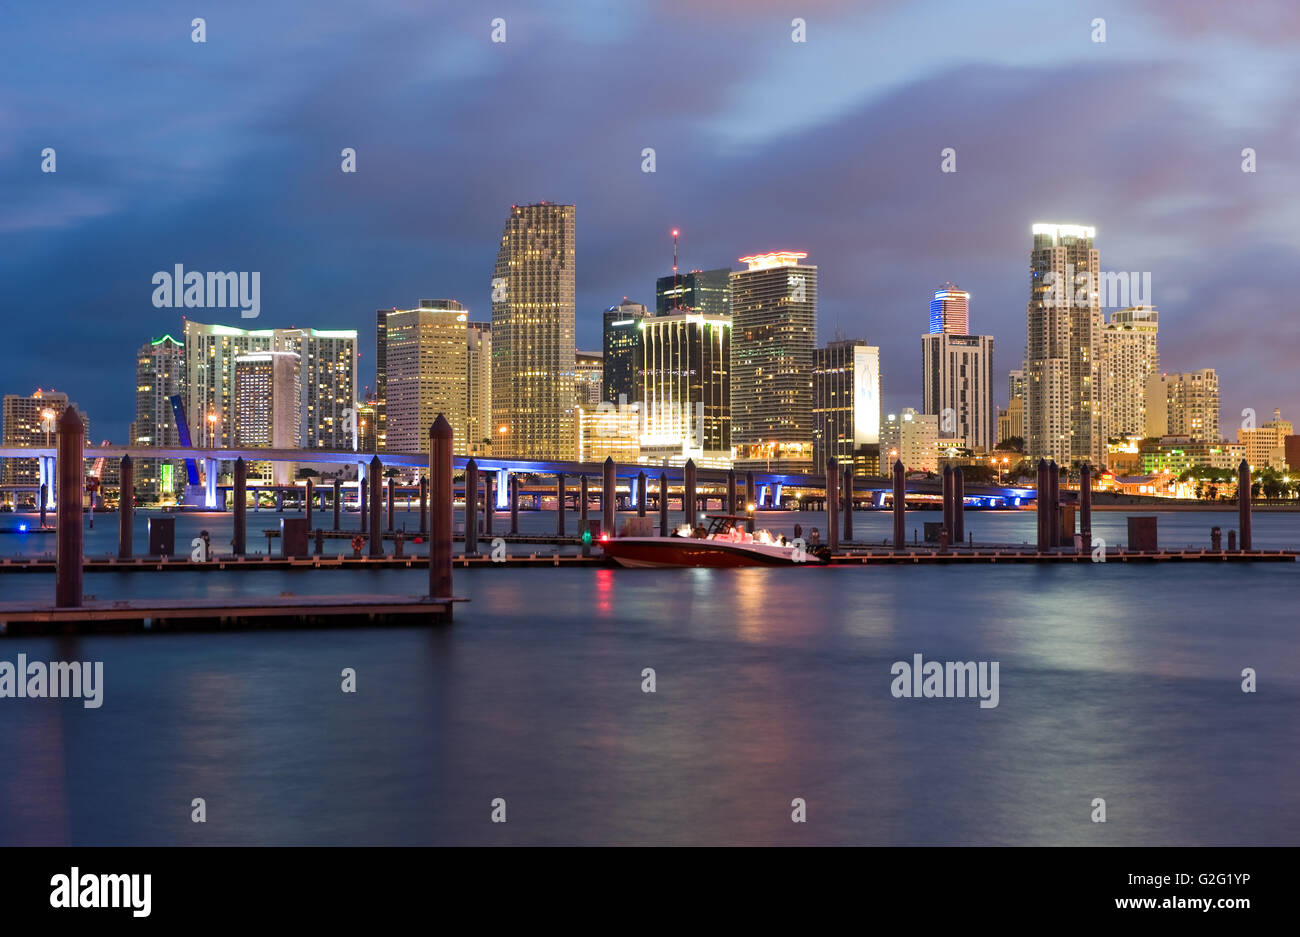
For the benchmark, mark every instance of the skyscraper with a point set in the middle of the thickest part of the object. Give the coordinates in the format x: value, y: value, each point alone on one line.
x: 478, y: 433
x: 706, y: 291
x: 327, y: 364
x: 622, y: 339
x: 912, y: 437
x: 533, y: 322
x: 1063, y: 326
x: 427, y: 365
x: 1193, y: 404
x: 33, y: 421
x: 949, y: 311
x: 846, y: 405
x: 268, y: 408
x: 380, y: 428
x: 683, y: 363
x: 588, y: 378
x: 774, y: 334
x: 159, y: 375
x: 1130, y: 356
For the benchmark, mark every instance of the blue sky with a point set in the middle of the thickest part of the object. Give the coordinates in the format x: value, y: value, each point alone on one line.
x: 225, y: 156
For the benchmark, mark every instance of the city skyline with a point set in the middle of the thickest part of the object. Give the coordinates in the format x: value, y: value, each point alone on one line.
x: 853, y: 179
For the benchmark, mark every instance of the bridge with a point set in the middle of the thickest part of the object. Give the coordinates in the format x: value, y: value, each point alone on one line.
x: 767, y: 487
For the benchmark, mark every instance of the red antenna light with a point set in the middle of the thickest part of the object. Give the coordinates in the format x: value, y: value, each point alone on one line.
x: 676, y: 291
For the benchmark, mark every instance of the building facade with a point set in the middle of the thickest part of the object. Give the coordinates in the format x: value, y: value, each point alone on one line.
x: 478, y: 432
x: 588, y: 378
x: 706, y: 291
x: 683, y: 367
x: 957, y: 383
x: 32, y: 420
x: 533, y: 322
x: 427, y: 374
x: 268, y: 408
x: 622, y: 340
x: 774, y: 336
x: 1130, y: 355
x: 1265, y: 446
x: 912, y: 438
x: 950, y: 311
x: 846, y: 405
x: 1062, y: 335
x: 1192, y: 404
x: 159, y: 376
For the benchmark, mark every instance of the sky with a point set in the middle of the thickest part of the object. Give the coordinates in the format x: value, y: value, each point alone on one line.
x: 226, y: 156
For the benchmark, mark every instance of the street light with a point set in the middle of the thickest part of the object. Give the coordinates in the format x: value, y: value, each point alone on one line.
x: 47, y: 416
x: 212, y: 430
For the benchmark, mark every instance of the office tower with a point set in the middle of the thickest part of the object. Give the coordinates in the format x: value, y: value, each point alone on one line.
x: 1265, y: 446
x: 1193, y: 404
x: 367, y: 424
x: 949, y: 311
x: 683, y: 363
x: 1129, y: 357
x: 957, y: 382
x: 427, y: 367
x: 622, y: 339
x: 1292, y: 452
x: 533, y: 323
x: 478, y: 433
x: 774, y: 334
x: 588, y: 378
x: 606, y: 431
x: 912, y: 437
x: 159, y: 375
x: 1011, y: 421
x: 268, y: 409
x: 1063, y: 326
x: 381, y: 379
x: 706, y: 291
x: 327, y: 374
x: 33, y: 421
x: 1016, y: 384
x: 846, y: 405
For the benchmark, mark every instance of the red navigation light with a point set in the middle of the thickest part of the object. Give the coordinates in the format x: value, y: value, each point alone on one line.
x: 604, y: 537
x: 674, y: 232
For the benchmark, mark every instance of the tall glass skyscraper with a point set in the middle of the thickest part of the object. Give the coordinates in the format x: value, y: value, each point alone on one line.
x: 533, y: 323
x: 774, y: 335
x: 622, y: 339
x: 706, y: 291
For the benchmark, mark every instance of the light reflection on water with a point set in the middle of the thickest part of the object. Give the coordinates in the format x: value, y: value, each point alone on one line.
x: 1119, y: 681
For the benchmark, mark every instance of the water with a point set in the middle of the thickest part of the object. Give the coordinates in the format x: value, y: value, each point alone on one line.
x: 1116, y: 681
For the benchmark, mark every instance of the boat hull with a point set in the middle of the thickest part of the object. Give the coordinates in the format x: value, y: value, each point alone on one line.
x: 685, y: 551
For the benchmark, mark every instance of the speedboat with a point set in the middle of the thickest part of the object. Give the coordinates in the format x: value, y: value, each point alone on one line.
x: 724, y: 543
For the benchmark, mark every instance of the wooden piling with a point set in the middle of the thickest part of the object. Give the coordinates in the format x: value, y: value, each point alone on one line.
x: 440, y: 545
x: 471, y: 507
x: 69, y: 474
x: 125, y: 508
x: 239, y: 540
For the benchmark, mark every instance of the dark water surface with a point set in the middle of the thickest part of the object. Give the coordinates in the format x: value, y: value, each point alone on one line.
x: 1116, y: 681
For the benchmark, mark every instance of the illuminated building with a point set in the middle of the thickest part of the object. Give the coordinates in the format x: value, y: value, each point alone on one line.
x: 1192, y: 404
x: 1011, y: 421
x: 327, y: 362
x: 533, y: 334
x: 268, y: 408
x: 33, y: 421
x: 588, y: 378
x: 957, y: 385
x: 1265, y: 446
x: 381, y: 379
x: 1063, y: 334
x: 622, y: 339
x: 607, y: 430
x: 774, y: 335
x: 912, y: 437
x: 683, y: 368
x: 367, y: 423
x: 159, y: 375
x: 1130, y: 356
x: 949, y: 311
x: 706, y: 291
x: 846, y: 405
x: 428, y: 373
x: 478, y: 433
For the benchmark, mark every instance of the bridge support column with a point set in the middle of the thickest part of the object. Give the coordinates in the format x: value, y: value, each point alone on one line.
x: 503, y: 488
x: 210, y: 483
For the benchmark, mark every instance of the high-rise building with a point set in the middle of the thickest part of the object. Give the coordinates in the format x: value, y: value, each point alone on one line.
x: 1063, y: 326
x: 706, y: 291
x: 381, y: 379
x: 1016, y: 384
x: 1265, y: 445
x: 327, y: 364
x: 159, y: 375
x: 1193, y: 404
x: 1130, y: 355
x: 427, y: 365
x: 533, y: 322
x: 478, y: 433
x: 912, y: 437
x: 34, y: 421
x: 957, y: 382
x: 588, y: 378
x: 367, y: 424
x: 1011, y: 421
x: 622, y: 339
x: 1156, y: 399
x: 949, y: 311
x: 846, y: 405
x: 607, y: 431
x: 268, y: 409
x: 774, y: 335
x: 683, y: 367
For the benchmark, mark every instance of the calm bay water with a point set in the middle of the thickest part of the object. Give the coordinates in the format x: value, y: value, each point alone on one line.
x: 1116, y: 681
